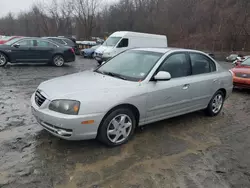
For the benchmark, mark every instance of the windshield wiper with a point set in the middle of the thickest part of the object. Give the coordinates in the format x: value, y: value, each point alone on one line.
x: 111, y: 74
x: 115, y: 75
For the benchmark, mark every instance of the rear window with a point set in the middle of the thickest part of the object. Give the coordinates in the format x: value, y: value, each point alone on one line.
x: 57, y: 40
x: 69, y: 42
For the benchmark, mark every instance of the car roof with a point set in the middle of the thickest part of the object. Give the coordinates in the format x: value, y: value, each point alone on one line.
x: 62, y: 38
x: 54, y: 37
x: 165, y: 50
x: 31, y: 38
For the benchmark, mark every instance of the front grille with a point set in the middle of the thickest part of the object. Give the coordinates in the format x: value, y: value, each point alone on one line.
x: 99, y: 54
x: 39, y: 98
x: 242, y: 75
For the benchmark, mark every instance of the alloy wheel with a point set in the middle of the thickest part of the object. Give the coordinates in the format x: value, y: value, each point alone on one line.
x: 59, y: 61
x: 217, y: 103
x: 2, y: 60
x: 119, y: 128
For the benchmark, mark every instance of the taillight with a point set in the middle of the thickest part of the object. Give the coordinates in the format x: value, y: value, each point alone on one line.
x: 72, y: 50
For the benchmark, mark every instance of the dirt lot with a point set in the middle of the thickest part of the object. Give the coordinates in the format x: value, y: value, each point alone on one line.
x: 189, y: 151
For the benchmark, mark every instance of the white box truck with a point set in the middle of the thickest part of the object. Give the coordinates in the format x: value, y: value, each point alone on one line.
x: 124, y: 40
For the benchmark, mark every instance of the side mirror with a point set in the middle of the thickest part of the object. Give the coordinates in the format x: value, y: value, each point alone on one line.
x: 16, y: 45
x: 162, y: 75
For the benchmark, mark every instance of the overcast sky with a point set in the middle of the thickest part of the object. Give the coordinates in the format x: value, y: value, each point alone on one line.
x: 16, y: 6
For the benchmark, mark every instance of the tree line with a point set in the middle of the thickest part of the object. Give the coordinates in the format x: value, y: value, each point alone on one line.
x: 202, y: 24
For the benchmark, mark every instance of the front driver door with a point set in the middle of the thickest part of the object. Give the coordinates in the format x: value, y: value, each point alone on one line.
x: 21, y: 52
x: 122, y: 46
x: 173, y: 97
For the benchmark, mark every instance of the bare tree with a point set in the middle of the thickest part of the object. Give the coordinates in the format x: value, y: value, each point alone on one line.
x: 85, y: 12
x: 203, y: 24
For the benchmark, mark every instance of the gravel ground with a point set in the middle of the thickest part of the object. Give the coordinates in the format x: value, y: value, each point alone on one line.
x: 186, y: 152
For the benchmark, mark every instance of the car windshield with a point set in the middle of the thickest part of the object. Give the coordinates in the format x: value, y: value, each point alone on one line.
x: 12, y: 41
x: 95, y: 47
x: 133, y: 65
x: 111, y: 41
x: 246, y: 62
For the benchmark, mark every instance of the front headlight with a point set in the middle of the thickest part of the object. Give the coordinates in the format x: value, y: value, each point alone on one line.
x: 69, y: 107
x: 107, y: 55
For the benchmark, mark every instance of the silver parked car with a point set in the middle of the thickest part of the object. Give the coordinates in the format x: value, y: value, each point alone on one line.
x: 135, y: 88
x: 232, y: 57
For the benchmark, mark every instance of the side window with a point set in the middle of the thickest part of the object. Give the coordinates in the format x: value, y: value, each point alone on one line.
x: 69, y: 42
x: 201, y: 64
x: 25, y: 43
x: 123, y: 43
x: 43, y: 43
x: 177, y: 65
x: 59, y: 41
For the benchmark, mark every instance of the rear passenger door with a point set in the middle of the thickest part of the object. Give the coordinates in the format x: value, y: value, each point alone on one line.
x: 43, y: 50
x: 205, y: 80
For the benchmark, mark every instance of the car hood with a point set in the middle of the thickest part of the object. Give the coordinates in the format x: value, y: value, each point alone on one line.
x: 104, y: 49
x: 86, y: 83
x: 242, y: 69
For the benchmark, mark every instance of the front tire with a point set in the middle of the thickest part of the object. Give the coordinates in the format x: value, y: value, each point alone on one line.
x: 216, y: 104
x: 117, y: 128
x: 99, y: 62
x: 58, y: 60
x: 3, y: 59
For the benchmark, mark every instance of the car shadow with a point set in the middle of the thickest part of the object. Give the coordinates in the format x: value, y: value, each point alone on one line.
x: 241, y: 90
x: 175, y: 122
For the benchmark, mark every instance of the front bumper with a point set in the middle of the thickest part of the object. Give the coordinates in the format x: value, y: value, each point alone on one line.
x: 241, y: 82
x: 101, y: 58
x: 67, y: 127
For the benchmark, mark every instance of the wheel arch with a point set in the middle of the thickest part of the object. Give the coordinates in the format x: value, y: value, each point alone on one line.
x: 133, y: 108
x: 58, y: 53
x: 224, y: 91
x: 4, y: 53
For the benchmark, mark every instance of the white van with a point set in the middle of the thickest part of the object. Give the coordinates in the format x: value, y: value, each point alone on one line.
x: 124, y: 40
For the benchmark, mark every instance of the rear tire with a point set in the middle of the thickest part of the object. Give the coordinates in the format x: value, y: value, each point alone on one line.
x: 117, y: 128
x: 3, y: 59
x: 58, y: 60
x: 216, y: 104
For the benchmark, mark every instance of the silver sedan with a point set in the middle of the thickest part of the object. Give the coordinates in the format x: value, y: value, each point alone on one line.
x: 135, y: 88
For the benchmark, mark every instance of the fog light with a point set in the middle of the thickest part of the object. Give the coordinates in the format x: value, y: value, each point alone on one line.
x: 61, y: 132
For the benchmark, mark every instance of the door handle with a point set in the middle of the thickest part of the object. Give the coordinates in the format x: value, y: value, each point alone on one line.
x: 215, y: 80
x: 186, y: 86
